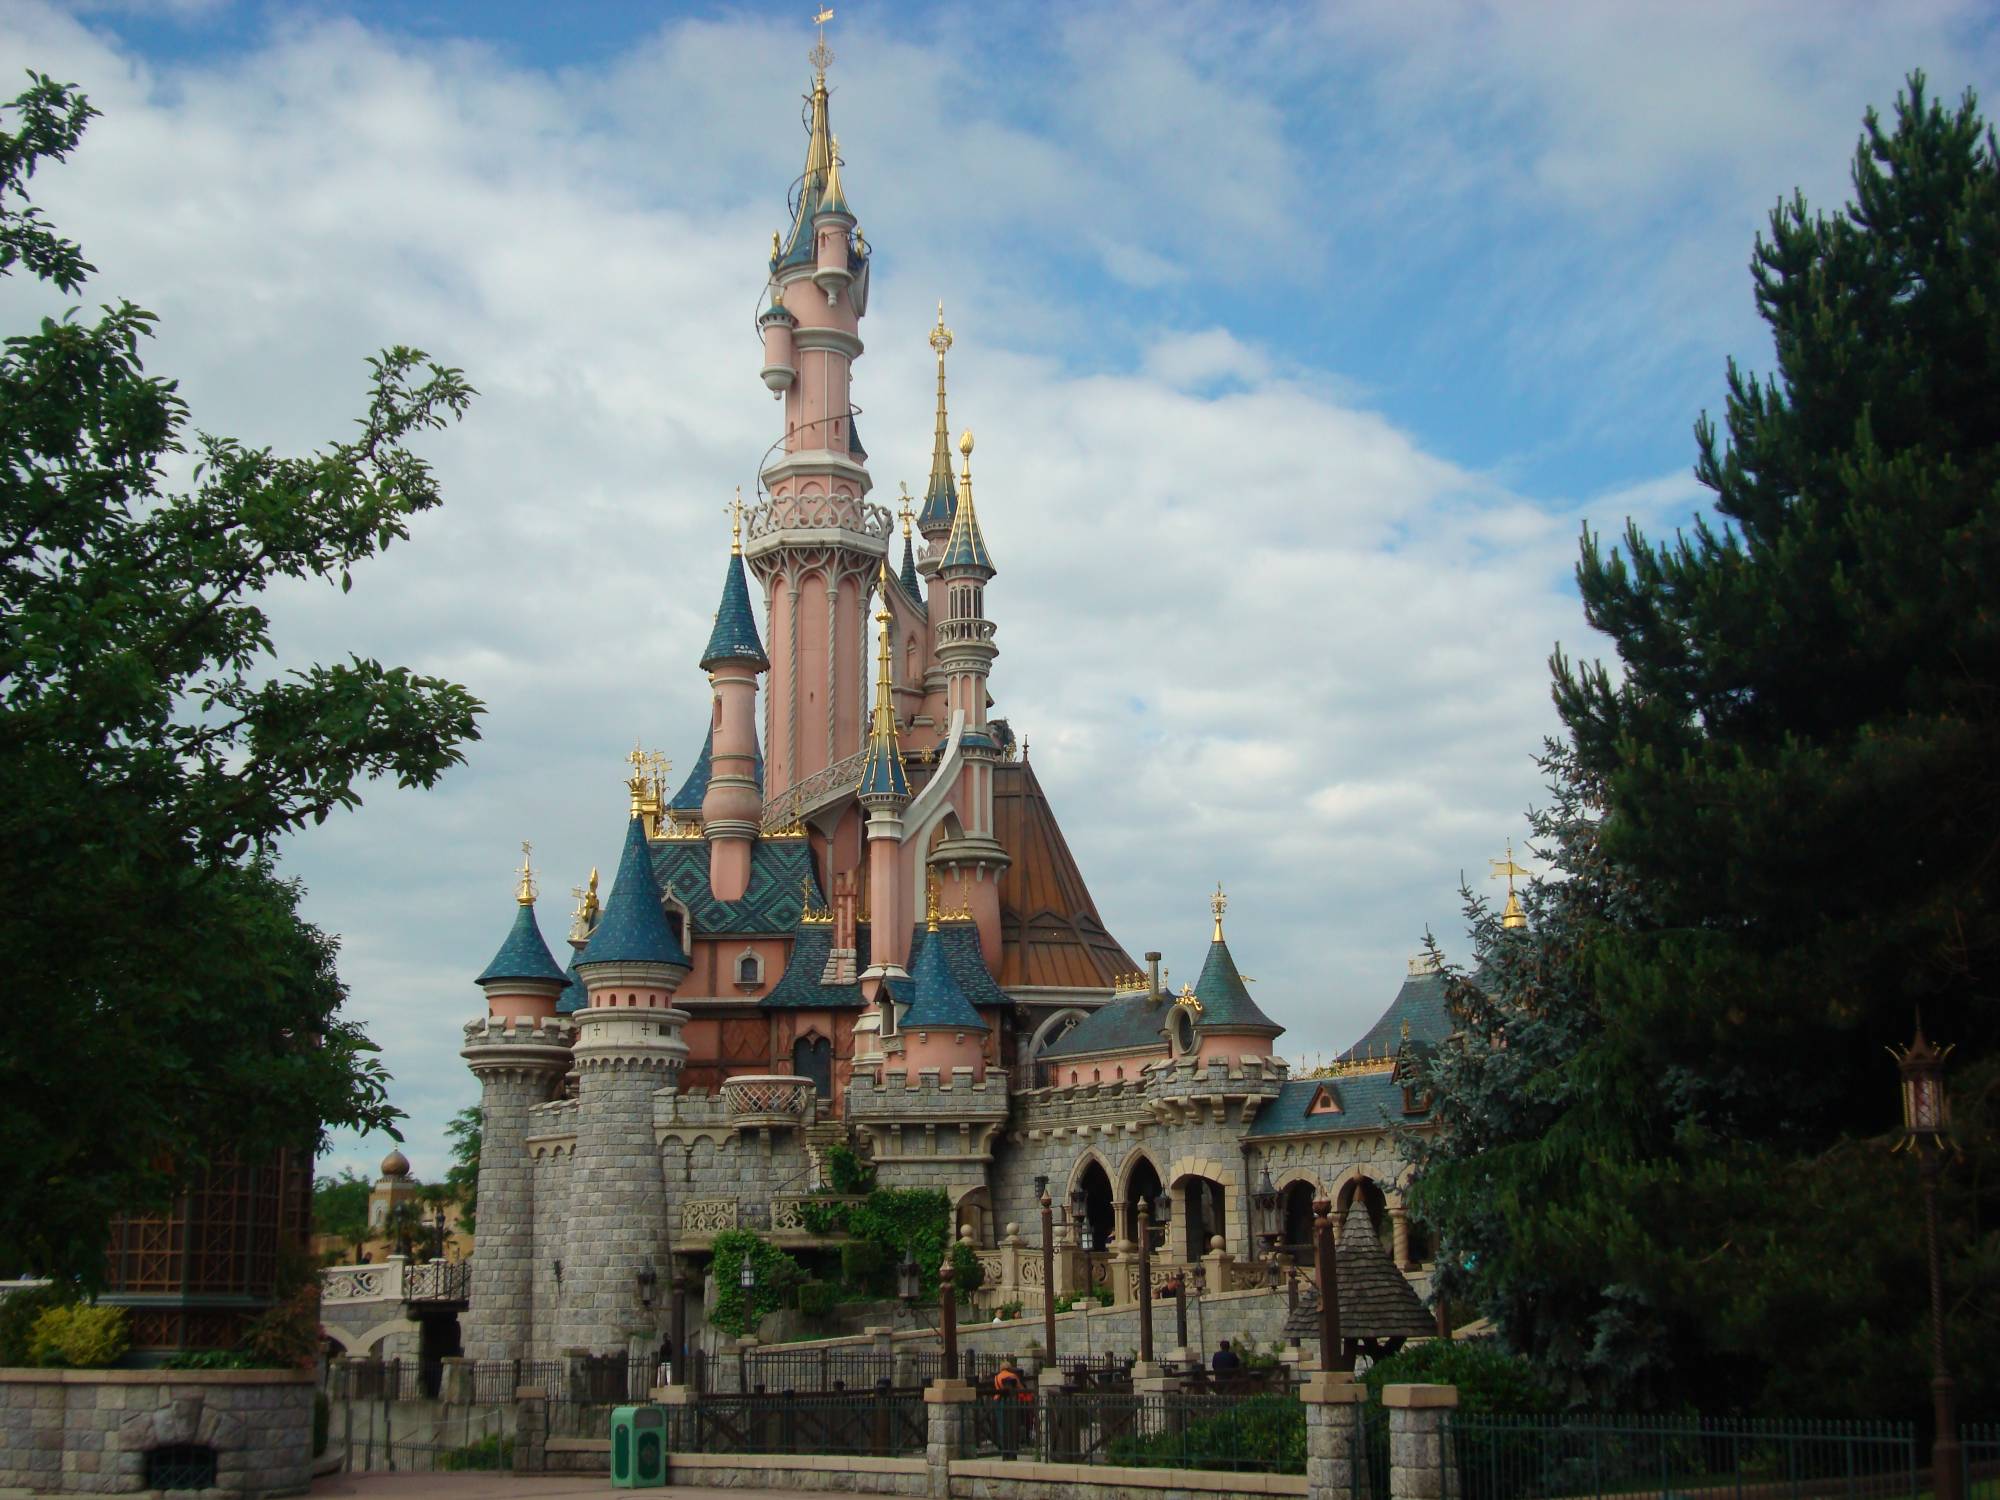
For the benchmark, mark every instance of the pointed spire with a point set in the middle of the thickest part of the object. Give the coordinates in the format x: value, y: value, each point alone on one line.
x: 796, y: 248
x: 634, y: 927
x: 1218, y: 903
x: 882, y: 776
x: 832, y: 200
x: 523, y: 955
x: 913, y: 585
x: 735, y: 635
x: 940, y: 495
x: 966, y: 548
x: 938, y: 1001
x: 1225, y: 999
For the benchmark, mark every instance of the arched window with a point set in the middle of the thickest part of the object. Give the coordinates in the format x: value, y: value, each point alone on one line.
x: 749, y: 968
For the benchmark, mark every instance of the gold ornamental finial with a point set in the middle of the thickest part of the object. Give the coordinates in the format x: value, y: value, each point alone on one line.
x: 658, y: 768
x: 1188, y: 999
x: 821, y: 56
x: 832, y: 191
x: 1218, y: 903
x: 931, y: 903
x: 1511, y: 915
x: 734, y: 510
x: 904, y: 509
x: 636, y: 783
x: 965, y: 449
x: 526, y: 894
x: 941, y: 335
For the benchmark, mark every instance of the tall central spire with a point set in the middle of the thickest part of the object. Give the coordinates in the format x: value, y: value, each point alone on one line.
x: 940, y: 495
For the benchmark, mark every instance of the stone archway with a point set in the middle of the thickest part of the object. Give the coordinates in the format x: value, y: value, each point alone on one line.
x: 1142, y: 1180
x: 1098, y: 1212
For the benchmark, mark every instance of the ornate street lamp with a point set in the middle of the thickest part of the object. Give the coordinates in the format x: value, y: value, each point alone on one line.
x: 649, y: 1280
x: 909, y: 1281
x: 1927, y: 1131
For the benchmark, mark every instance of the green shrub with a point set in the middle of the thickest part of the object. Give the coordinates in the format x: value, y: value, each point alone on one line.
x: 815, y: 1298
x: 18, y: 1312
x: 1489, y: 1379
x: 776, y: 1274
x: 490, y: 1452
x: 81, y: 1336
x: 216, y: 1359
x: 848, y: 1173
x: 1010, y: 1310
x: 1262, y: 1432
x: 863, y: 1265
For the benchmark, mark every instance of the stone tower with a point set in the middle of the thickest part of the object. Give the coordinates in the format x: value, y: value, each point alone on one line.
x: 628, y: 1048
x: 519, y: 1051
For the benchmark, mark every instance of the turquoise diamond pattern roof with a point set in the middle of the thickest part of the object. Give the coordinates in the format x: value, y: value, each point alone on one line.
x: 770, y: 904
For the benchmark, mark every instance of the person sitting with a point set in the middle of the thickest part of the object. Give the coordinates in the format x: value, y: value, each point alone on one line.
x: 1225, y: 1361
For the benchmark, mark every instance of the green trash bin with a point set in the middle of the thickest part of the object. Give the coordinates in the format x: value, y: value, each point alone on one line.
x: 638, y: 1447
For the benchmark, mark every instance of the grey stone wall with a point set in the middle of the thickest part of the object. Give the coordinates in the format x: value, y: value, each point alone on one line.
x: 552, y: 1165
x: 617, y: 1213
x: 89, y: 1431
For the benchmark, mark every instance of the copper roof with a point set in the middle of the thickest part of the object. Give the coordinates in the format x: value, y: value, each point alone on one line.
x: 1050, y: 932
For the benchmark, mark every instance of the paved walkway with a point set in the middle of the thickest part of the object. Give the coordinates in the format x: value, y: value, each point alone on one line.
x: 508, y: 1487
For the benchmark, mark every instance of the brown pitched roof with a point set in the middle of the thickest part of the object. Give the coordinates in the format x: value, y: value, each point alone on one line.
x: 1376, y: 1302
x: 1050, y: 933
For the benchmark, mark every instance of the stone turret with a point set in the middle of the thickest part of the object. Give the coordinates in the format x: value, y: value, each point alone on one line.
x: 628, y: 1048
x: 519, y: 1051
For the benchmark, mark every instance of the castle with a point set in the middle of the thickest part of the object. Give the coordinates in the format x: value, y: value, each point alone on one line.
x: 857, y: 923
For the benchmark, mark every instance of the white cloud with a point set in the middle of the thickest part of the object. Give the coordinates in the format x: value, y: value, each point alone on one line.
x: 1254, y: 630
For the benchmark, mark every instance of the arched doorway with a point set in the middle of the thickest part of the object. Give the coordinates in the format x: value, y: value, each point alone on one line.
x: 1142, y: 1180
x: 812, y: 1057
x: 1097, y: 1215
x: 1298, y: 1205
x: 1200, y: 1210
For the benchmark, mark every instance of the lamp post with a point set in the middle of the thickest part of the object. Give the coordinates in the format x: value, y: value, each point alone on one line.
x: 909, y: 1282
x: 1158, y: 1211
x: 1927, y: 1131
x: 1331, y: 1355
x: 677, y: 1326
x: 1266, y: 1202
x: 1048, y: 1273
x: 948, y: 1315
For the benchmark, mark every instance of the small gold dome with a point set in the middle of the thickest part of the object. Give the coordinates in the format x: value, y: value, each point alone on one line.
x: 395, y: 1164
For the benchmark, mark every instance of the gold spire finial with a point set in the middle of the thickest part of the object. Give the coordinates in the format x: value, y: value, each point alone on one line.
x: 965, y: 447
x: 1218, y: 903
x: 526, y: 894
x: 1511, y: 915
x: 821, y: 56
x: 931, y: 903
x: 777, y: 249
x: 884, y: 725
x: 832, y: 193
x: 734, y: 510
x: 904, y: 510
x: 941, y: 335
x: 1188, y: 999
x: 636, y: 783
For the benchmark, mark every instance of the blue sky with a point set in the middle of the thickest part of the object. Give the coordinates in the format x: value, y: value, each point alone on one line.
x: 1300, y: 342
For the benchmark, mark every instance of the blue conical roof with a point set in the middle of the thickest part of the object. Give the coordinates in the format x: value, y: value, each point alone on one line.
x: 1225, y: 1000
x: 634, y: 927
x: 524, y: 955
x: 939, y: 1004
x: 912, y: 584
x: 882, y: 773
x: 735, y: 635
x: 940, y: 500
x: 573, y: 997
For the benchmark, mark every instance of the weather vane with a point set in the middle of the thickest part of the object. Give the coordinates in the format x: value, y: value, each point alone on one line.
x: 821, y: 56
x: 527, y: 892
x: 734, y: 510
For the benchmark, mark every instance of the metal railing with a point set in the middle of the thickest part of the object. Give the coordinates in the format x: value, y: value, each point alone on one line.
x: 1979, y: 1447
x: 1260, y: 1434
x: 879, y: 1424
x: 496, y: 1380
x: 826, y: 1370
x: 1521, y: 1458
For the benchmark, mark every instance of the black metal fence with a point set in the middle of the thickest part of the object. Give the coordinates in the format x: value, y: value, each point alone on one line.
x: 498, y: 1379
x: 1523, y: 1458
x: 825, y: 1370
x: 879, y: 1424
x: 1264, y: 1433
x: 1979, y: 1447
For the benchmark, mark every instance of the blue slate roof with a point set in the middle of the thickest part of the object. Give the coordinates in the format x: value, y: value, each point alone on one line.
x: 912, y: 584
x: 958, y: 939
x: 938, y: 1003
x: 573, y: 998
x: 940, y: 499
x: 854, y: 449
x: 966, y: 546
x: 1421, y: 1002
x: 800, y: 987
x: 1368, y: 1101
x: 882, y: 773
x: 1225, y: 1000
x: 770, y: 904
x: 523, y: 955
x: 634, y: 927
x: 688, y: 798
x: 735, y: 635
x: 775, y: 312
x: 1130, y: 1023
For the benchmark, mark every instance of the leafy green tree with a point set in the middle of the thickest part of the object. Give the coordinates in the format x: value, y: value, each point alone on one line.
x: 1780, y: 816
x: 153, y: 751
x: 340, y: 1206
x: 462, y: 1177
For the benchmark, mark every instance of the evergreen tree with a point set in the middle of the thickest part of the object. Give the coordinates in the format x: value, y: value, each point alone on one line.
x: 1791, y: 784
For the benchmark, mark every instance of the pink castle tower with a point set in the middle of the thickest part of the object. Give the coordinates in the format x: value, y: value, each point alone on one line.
x: 815, y: 543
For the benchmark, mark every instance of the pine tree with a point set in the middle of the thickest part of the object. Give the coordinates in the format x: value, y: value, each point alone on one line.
x: 1793, y: 773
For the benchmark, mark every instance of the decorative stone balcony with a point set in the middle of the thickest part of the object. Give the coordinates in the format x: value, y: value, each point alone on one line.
x: 769, y: 1101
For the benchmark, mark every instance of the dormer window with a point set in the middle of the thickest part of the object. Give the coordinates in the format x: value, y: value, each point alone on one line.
x: 1324, y: 1101
x: 749, y: 968
x: 1416, y: 1100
